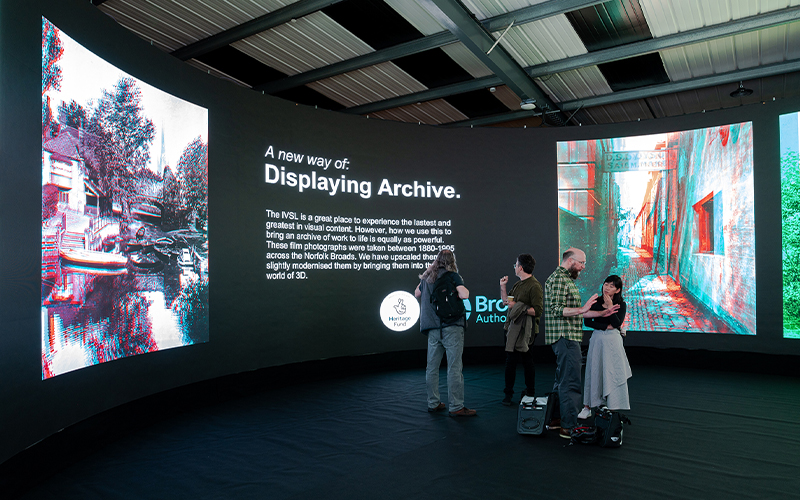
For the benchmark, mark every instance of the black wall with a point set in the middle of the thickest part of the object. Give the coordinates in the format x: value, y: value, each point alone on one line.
x: 508, y: 205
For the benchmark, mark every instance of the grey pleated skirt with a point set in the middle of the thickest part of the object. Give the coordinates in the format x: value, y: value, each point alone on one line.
x: 607, y: 372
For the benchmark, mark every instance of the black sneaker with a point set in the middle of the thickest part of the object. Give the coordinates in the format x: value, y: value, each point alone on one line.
x: 507, y: 400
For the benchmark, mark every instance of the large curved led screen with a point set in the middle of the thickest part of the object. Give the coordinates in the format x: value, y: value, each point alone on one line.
x: 672, y: 214
x: 790, y: 218
x: 124, y: 212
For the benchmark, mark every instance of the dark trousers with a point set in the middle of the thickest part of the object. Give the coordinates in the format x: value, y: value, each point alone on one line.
x: 512, y: 359
x: 568, y: 380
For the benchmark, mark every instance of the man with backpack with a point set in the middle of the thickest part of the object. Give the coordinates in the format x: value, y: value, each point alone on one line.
x: 443, y: 319
x: 525, y: 307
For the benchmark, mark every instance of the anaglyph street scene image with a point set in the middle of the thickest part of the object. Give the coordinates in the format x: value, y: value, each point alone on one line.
x: 672, y: 214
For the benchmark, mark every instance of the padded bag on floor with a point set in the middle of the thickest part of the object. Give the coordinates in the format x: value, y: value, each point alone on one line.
x: 609, y: 423
x: 531, y: 415
x: 584, y: 435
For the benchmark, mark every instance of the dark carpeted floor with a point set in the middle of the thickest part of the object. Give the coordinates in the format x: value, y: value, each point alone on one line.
x: 695, y: 434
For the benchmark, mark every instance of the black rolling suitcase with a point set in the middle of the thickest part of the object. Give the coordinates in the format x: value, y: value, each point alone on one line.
x: 531, y: 415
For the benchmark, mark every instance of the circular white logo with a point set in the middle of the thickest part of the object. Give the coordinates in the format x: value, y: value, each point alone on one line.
x: 399, y: 311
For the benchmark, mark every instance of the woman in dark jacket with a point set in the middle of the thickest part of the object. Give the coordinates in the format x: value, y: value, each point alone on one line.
x: 607, y: 368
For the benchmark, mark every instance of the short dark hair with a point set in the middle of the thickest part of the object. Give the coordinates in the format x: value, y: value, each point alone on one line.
x: 566, y: 255
x: 527, y: 262
x: 617, y: 282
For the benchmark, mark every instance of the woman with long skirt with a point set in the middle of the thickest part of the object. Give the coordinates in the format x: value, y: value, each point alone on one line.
x: 607, y: 368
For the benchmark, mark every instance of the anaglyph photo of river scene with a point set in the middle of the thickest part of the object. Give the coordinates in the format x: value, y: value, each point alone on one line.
x: 124, y: 212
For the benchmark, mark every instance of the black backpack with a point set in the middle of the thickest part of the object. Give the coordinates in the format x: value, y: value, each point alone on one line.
x: 445, y: 301
x: 609, y: 427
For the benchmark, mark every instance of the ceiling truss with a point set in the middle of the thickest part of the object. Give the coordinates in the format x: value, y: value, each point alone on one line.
x: 481, y: 36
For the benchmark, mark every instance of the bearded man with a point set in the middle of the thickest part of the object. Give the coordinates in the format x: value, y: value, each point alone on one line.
x: 563, y: 321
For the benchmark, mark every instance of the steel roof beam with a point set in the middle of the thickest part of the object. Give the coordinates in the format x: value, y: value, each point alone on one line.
x: 754, y: 23
x: 645, y: 92
x: 425, y: 95
x: 493, y: 119
x: 521, y: 16
x: 358, y: 62
x: 536, y: 13
x: 684, y: 85
x: 252, y: 27
x: 458, y: 20
x: 739, y: 26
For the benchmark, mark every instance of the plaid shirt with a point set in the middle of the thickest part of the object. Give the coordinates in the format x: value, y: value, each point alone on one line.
x: 560, y: 291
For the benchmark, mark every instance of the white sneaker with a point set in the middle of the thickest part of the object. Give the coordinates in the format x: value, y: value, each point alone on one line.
x: 585, y: 413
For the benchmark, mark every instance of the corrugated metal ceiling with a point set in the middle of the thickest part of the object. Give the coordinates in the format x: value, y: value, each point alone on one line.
x: 171, y: 24
x: 435, y: 91
x: 311, y: 42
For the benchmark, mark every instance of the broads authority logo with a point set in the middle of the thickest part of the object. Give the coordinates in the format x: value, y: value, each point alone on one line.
x: 488, y: 310
x: 399, y: 311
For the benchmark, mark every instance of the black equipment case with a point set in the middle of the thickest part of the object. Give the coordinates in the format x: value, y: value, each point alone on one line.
x: 531, y: 415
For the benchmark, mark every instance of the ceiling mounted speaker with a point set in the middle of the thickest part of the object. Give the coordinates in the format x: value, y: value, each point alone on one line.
x: 741, y: 91
x: 528, y: 104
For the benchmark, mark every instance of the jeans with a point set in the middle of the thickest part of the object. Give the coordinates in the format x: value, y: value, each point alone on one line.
x: 451, y: 340
x: 568, y: 380
x: 526, y: 358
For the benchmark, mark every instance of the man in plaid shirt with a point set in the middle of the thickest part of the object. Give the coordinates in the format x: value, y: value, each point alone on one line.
x: 563, y: 321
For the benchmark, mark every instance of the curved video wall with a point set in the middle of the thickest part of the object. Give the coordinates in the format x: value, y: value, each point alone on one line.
x: 159, y: 226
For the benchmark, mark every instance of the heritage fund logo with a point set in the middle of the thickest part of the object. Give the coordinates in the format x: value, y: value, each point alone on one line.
x: 399, y: 311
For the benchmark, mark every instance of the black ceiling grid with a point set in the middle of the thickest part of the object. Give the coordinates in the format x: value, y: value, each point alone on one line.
x: 433, y: 68
x: 477, y: 103
x: 375, y: 23
x: 252, y: 72
x: 380, y: 26
x: 239, y: 65
x: 609, y: 29
x: 248, y: 70
x: 634, y: 72
x: 372, y: 21
x: 615, y: 23
x: 610, y: 24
